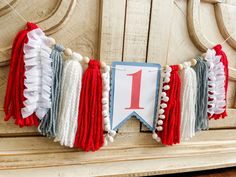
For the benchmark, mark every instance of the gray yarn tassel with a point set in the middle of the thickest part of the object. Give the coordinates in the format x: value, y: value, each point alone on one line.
x: 201, y: 69
x: 47, y: 126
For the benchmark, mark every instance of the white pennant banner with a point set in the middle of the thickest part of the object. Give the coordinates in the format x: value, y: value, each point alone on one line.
x: 134, y: 92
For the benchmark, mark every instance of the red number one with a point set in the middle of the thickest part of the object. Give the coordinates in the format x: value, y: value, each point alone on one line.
x: 135, y: 93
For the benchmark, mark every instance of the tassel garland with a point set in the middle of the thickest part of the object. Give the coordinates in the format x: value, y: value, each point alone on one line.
x: 47, y: 125
x: 69, y: 102
x: 201, y: 69
x: 73, y: 107
x: 89, y: 135
x: 188, y: 101
x: 14, y: 97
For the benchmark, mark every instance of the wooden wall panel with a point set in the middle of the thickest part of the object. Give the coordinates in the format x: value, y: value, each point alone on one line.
x: 112, y: 30
x: 136, y: 30
x: 162, y: 18
x: 41, y: 152
x: 135, y: 42
x: 130, y: 168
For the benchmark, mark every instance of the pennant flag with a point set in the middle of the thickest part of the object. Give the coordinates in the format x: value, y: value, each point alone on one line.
x: 134, y: 92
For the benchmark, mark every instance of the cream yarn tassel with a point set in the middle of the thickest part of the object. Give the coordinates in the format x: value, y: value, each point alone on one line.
x: 69, y: 103
x: 188, y: 96
x: 109, y: 135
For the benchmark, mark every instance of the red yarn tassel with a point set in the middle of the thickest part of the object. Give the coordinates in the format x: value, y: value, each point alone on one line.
x: 89, y: 135
x: 224, y: 60
x: 171, y: 124
x: 15, y: 86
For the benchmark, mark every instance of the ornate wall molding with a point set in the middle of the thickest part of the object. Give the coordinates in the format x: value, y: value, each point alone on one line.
x: 194, y: 28
x: 6, y: 9
x: 50, y: 24
x: 220, y: 10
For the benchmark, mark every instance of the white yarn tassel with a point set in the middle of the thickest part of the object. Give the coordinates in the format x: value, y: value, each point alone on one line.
x: 188, y: 96
x: 69, y: 102
x: 109, y: 136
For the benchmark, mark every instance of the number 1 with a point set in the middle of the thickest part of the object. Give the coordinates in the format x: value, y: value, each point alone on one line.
x: 135, y: 92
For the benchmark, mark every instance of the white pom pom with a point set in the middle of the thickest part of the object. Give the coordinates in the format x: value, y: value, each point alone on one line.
x: 106, y: 120
x: 110, y: 139
x: 166, y: 99
x: 104, y: 101
x: 104, y: 75
x: 166, y: 87
x: 104, y: 80
x: 104, y: 113
x: 162, y: 116
x: 154, y: 136
x: 159, y: 128
x: 112, y: 133
x: 158, y: 139
x: 167, y: 80
x: 107, y: 69
x: 161, y: 111
x: 107, y: 127
x: 163, y: 105
x: 104, y: 94
x: 168, y: 69
x: 166, y: 75
x: 163, y: 94
x: 105, y: 107
x: 160, y: 122
x: 106, y: 88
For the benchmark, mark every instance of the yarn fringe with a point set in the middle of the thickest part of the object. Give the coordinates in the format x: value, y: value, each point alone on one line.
x: 69, y: 102
x: 188, y: 101
x: 201, y: 69
x: 47, y: 125
x: 89, y: 135
x: 14, y: 96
